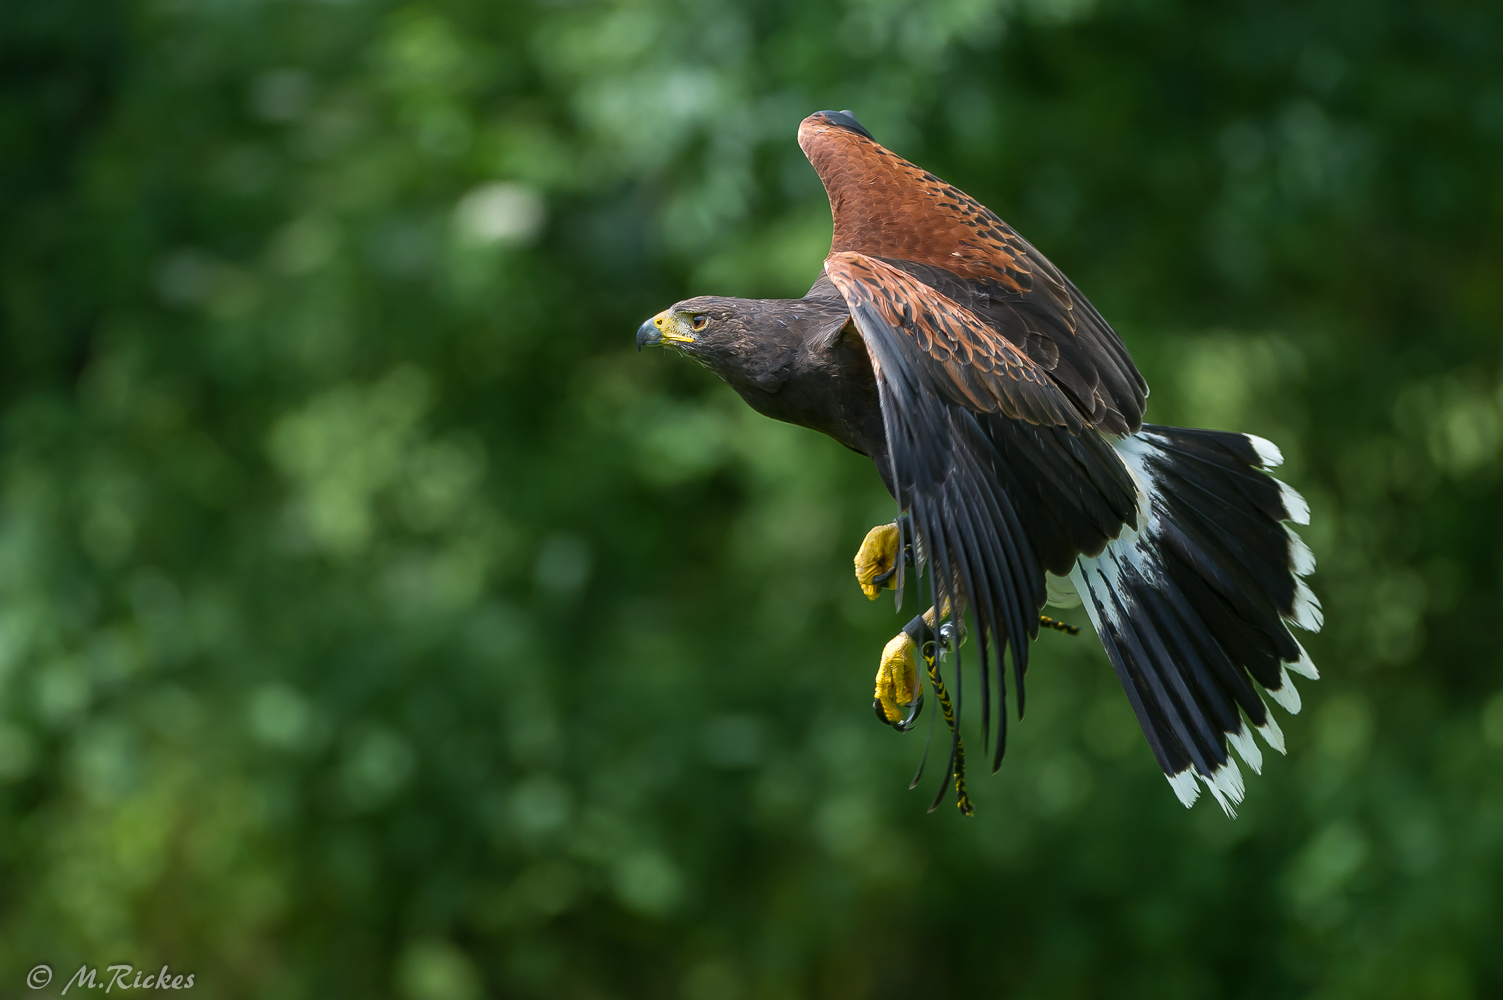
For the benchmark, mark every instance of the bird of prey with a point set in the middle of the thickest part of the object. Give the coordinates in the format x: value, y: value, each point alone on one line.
x: 1005, y: 417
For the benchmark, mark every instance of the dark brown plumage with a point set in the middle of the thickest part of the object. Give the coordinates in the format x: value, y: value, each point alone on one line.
x: 788, y: 359
x: 1006, y: 417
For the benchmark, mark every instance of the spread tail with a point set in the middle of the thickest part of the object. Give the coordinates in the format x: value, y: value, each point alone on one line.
x: 1194, y: 607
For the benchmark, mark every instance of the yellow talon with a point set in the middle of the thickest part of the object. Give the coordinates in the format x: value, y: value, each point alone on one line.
x: 877, y: 556
x: 897, y: 677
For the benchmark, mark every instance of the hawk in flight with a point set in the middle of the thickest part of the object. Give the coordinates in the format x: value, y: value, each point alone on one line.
x: 1005, y: 417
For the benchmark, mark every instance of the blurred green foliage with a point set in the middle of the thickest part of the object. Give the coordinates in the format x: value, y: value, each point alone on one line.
x: 375, y: 622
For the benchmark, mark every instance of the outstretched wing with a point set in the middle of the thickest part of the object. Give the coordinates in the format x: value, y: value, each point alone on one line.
x: 885, y: 207
x: 999, y: 468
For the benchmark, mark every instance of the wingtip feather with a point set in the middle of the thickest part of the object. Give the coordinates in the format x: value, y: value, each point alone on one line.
x: 1301, y: 559
x: 1247, y: 748
x: 1226, y: 787
x: 1271, y: 733
x: 1185, y: 788
x: 1296, y: 509
x: 1307, y: 611
x: 1286, y: 695
x: 1304, y: 666
x: 1269, y: 455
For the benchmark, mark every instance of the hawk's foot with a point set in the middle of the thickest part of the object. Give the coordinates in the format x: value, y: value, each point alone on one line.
x: 899, y: 696
x: 877, y: 559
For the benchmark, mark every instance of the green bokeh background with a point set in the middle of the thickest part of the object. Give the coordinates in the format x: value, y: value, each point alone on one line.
x: 374, y: 621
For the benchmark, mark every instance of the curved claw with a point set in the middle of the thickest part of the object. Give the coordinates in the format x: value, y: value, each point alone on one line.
x: 915, y: 709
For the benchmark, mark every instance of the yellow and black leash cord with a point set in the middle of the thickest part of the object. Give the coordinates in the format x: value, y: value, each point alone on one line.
x: 923, y: 636
x: 962, y: 800
x: 1046, y: 622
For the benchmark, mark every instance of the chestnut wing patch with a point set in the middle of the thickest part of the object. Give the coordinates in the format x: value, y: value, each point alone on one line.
x: 965, y: 360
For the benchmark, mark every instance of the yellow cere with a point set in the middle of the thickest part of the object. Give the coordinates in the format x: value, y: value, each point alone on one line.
x: 673, y: 328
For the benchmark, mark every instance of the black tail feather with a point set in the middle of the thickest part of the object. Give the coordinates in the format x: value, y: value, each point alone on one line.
x: 1196, y: 604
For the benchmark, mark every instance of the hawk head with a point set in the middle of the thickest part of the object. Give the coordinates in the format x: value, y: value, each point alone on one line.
x: 747, y: 342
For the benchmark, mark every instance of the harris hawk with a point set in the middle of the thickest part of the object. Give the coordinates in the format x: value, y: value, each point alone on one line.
x: 1005, y: 417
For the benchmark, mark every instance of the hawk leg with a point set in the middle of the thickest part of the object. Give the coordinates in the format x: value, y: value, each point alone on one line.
x: 899, y: 696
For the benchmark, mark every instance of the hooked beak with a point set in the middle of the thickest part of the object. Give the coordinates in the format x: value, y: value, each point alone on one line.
x: 663, y: 327
x: 648, y: 335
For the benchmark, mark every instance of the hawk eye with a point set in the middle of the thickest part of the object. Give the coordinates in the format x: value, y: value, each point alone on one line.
x: 698, y: 322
